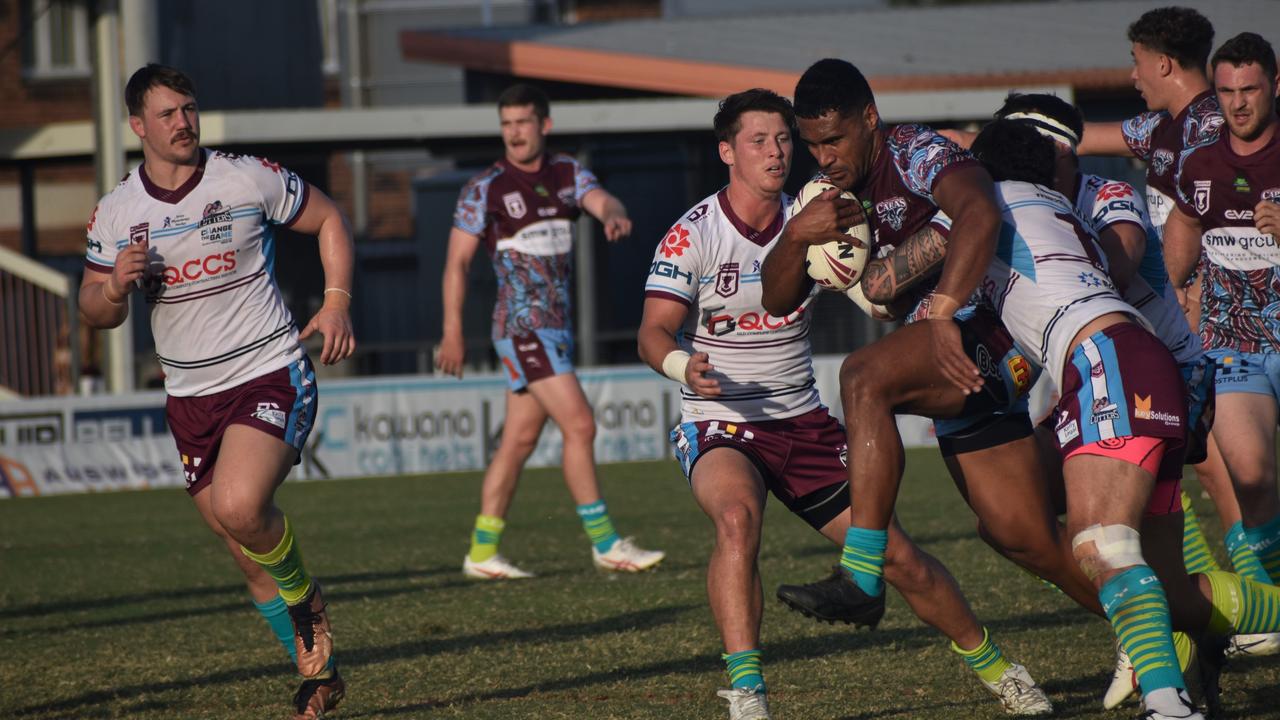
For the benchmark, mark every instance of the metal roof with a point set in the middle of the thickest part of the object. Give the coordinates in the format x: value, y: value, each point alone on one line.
x: 1081, y: 43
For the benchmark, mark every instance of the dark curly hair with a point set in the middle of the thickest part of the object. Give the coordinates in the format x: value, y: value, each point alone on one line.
x: 1012, y: 150
x: 832, y: 84
x: 729, y: 118
x: 1181, y: 33
x: 1045, y: 104
x: 1247, y: 48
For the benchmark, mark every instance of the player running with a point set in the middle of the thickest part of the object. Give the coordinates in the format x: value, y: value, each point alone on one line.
x: 194, y: 229
x: 522, y: 210
x: 752, y: 422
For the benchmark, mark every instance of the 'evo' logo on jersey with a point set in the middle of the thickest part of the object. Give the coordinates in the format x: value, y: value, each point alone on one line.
x: 198, y: 268
x: 1238, y: 214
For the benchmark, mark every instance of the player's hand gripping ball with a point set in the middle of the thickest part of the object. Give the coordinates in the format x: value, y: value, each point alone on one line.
x: 836, y: 265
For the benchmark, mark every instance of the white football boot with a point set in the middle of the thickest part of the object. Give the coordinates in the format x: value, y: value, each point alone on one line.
x: 626, y: 556
x: 1019, y: 693
x: 1254, y: 645
x: 746, y: 704
x: 495, y: 568
x: 1124, y: 682
x: 1183, y: 708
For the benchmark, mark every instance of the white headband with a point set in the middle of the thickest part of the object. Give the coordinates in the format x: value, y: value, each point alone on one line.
x: 1047, y: 127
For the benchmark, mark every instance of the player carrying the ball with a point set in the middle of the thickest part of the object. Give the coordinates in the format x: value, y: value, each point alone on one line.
x: 752, y: 422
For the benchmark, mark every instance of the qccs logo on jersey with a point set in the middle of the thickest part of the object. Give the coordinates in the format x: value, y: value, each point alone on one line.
x: 198, y: 269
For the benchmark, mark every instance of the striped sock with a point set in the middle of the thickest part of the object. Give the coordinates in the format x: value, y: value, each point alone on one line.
x: 745, y: 670
x: 1242, y: 606
x: 986, y: 660
x: 484, y: 539
x: 276, y: 612
x: 1139, y: 612
x: 1243, y: 560
x: 595, y: 520
x: 284, y: 565
x: 1195, y: 551
x: 1264, y: 540
x: 863, y: 558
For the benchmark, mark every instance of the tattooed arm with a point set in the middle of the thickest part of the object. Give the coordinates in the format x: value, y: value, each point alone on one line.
x: 915, y: 259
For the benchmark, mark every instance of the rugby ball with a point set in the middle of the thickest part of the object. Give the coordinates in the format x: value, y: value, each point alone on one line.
x: 836, y: 265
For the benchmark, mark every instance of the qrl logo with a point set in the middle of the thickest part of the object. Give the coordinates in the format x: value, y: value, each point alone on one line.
x: 198, y: 268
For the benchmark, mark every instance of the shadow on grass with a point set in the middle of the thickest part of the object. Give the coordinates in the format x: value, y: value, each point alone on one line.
x: 638, y: 620
x: 203, y: 592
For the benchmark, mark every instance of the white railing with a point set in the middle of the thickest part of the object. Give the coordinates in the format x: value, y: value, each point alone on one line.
x: 39, y: 347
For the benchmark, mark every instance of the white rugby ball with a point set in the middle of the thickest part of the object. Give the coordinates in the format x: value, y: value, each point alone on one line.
x: 836, y: 265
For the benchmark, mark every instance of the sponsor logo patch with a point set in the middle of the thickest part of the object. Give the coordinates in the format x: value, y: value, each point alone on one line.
x: 675, y: 242
x: 1142, y: 410
x: 270, y: 412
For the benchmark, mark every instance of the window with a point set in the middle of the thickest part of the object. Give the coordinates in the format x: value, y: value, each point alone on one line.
x: 56, y: 42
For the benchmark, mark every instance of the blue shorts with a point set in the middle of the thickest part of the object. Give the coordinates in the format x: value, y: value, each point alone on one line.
x: 1240, y: 372
x: 1200, y: 377
x: 535, y: 355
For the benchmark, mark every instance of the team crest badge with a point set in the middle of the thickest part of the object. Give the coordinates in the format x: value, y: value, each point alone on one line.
x: 727, y: 280
x: 1272, y: 194
x: 515, y: 205
x: 893, y: 211
x: 1201, y: 196
x: 140, y: 233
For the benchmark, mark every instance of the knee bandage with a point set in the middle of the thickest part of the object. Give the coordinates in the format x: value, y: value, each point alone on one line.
x: 1118, y: 546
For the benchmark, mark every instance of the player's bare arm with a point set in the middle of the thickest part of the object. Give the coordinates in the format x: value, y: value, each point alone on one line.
x: 911, y: 261
x: 322, y: 218
x: 963, y: 138
x: 967, y: 196
x: 1266, y: 216
x: 1103, y: 139
x: 611, y: 213
x: 1181, y: 246
x: 1124, y: 243
x: 103, y: 297
x: 661, y: 321
x: 784, y: 282
x: 457, y: 264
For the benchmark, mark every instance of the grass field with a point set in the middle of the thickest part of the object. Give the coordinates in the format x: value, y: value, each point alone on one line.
x: 123, y: 605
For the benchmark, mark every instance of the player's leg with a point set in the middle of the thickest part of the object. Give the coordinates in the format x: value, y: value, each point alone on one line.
x: 561, y: 396
x: 729, y: 489
x: 521, y: 429
x: 890, y: 375
x: 263, y: 590
x: 1245, y: 430
x: 1004, y: 486
x: 1106, y: 496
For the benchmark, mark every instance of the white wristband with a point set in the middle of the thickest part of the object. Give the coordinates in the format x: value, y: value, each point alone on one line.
x: 859, y: 298
x: 338, y: 289
x: 674, y: 365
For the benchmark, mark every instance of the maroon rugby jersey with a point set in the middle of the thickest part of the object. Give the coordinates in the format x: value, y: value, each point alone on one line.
x: 1240, y: 308
x: 1162, y: 140
x: 526, y: 223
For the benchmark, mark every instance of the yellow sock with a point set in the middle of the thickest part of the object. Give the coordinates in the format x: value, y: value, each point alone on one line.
x: 284, y: 565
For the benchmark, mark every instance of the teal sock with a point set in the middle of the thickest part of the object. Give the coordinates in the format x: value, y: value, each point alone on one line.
x: 595, y: 520
x: 1264, y: 540
x: 1139, y: 613
x: 745, y: 670
x: 1246, y: 564
x: 276, y: 612
x: 863, y: 558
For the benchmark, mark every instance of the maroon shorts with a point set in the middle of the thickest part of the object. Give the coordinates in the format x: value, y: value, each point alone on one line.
x: 281, y: 403
x: 803, y: 460
x: 1122, y: 382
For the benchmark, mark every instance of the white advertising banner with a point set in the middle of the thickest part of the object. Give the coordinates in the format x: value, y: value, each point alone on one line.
x: 404, y: 425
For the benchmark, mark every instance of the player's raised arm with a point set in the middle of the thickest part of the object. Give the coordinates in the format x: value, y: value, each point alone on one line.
x: 610, y: 211
x: 322, y: 218
x: 457, y: 264
x: 1181, y: 246
x: 1103, y: 139
x: 104, y: 297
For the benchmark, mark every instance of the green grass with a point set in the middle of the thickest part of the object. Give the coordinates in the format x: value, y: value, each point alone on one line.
x: 124, y: 605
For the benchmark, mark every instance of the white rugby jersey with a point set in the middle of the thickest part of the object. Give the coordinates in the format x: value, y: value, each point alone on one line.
x: 1101, y: 203
x: 1049, y: 277
x: 217, y: 315
x: 710, y: 262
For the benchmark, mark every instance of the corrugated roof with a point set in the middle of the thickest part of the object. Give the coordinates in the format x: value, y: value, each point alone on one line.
x: 1078, y: 43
